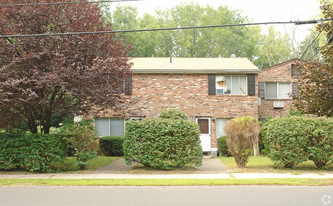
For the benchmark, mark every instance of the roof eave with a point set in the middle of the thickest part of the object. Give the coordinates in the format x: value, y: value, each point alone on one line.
x: 197, y: 71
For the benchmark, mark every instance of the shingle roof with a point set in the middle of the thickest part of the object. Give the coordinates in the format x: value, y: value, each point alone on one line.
x: 192, y: 65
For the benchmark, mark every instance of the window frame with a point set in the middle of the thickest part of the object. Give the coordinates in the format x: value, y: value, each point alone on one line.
x: 278, y: 90
x: 231, y: 80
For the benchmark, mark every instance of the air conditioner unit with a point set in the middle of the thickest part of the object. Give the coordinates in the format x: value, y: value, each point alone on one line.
x: 278, y: 104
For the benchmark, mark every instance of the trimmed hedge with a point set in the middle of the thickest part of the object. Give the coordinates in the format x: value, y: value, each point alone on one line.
x: 222, y: 146
x: 31, y: 152
x: 294, y: 139
x: 173, y: 114
x: 112, y: 145
x: 163, y: 143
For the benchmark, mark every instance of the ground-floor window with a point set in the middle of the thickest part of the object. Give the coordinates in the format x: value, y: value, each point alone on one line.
x: 220, y: 127
x: 109, y: 127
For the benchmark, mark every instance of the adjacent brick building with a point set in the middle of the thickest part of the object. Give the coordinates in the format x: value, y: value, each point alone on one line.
x: 277, y: 84
x: 209, y: 90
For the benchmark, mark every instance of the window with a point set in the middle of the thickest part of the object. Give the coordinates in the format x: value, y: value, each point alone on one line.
x: 276, y: 90
x: 220, y: 123
x: 231, y: 85
x: 109, y: 127
x: 203, y: 126
x: 295, y: 71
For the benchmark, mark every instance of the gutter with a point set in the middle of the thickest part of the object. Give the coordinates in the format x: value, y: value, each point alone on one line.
x: 196, y: 71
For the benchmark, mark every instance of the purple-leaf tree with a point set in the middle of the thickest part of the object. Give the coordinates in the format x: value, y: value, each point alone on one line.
x: 315, y: 87
x: 42, y: 76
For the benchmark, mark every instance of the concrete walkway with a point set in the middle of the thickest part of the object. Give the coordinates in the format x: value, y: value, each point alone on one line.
x: 210, y: 166
x: 116, y: 167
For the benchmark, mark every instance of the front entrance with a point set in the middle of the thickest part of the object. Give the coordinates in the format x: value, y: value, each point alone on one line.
x: 205, y: 133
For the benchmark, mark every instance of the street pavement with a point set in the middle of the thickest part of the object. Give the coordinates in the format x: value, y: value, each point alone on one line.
x: 167, y: 195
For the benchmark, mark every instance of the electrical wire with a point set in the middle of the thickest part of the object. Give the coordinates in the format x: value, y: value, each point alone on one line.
x: 321, y: 48
x: 164, y: 29
x: 313, y: 41
x: 62, y: 3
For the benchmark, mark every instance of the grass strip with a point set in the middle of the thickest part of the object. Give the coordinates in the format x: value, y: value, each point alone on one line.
x: 164, y: 182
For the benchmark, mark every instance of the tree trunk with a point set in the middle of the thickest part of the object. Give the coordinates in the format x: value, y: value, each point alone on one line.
x: 256, y: 149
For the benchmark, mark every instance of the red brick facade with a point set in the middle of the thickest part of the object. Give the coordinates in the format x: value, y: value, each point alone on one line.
x: 151, y: 93
x: 277, y: 73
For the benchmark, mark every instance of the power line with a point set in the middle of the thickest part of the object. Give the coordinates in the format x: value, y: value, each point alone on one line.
x: 321, y: 48
x: 313, y: 41
x: 164, y: 29
x: 60, y: 3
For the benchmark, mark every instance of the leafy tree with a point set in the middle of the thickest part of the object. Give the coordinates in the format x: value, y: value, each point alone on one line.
x: 81, y: 136
x: 315, y: 87
x: 263, y: 50
x: 274, y: 49
x: 43, y: 76
x: 212, y: 42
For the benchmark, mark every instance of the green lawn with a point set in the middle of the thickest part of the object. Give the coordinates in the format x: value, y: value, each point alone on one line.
x: 163, y: 182
x: 264, y: 164
x: 100, y: 161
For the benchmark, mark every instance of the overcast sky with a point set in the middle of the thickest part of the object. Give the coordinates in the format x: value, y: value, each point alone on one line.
x: 257, y: 10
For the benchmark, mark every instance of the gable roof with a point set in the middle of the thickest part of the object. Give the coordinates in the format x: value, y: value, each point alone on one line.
x: 193, y: 65
x: 284, y: 63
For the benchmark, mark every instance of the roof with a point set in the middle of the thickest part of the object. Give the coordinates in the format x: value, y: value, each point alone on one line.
x: 284, y: 63
x: 193, y: 65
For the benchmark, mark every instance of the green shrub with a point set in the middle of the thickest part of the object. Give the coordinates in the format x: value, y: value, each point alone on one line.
x: 112, y: 146
x: 31, y: 152
x: 173, y: 114
x: 163, y: 143
x: 294, y: 139
x: 242, y: 134
x: 82, y: 137
x: 319, y: 144
x: 222, y: 146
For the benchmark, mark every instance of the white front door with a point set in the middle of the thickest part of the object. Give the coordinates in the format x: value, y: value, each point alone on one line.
x: 205, y: 137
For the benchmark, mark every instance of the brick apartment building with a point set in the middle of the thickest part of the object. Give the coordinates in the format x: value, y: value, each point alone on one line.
x: 209, y: 90
x: 277, y: 84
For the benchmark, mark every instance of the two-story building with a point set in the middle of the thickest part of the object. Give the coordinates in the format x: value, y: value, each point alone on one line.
x: 277, y: 85
x: 209, y: 90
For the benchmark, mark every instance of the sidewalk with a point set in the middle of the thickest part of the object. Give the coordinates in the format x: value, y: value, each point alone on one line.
x: 210, y: 169
x: 166, y: 176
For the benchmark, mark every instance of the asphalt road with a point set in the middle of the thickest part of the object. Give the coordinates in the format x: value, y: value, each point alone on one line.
x: 177, y: 195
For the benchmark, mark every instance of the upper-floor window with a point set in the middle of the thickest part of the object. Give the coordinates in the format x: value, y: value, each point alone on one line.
x: 295, y: 71
x: 277, y: 90
x: 231, y: 85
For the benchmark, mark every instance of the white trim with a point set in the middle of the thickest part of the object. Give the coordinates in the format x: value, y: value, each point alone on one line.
x: 208, y: 136
x: 209, y: 123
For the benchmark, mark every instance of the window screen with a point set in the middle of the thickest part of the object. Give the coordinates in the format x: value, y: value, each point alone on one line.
x: 220, y: 123
x: 235, y: 85
x: 102, y: 127
x: 271, y: 90
x: 116, y: 127
x: 284, y: 90
x: 109, y: 127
